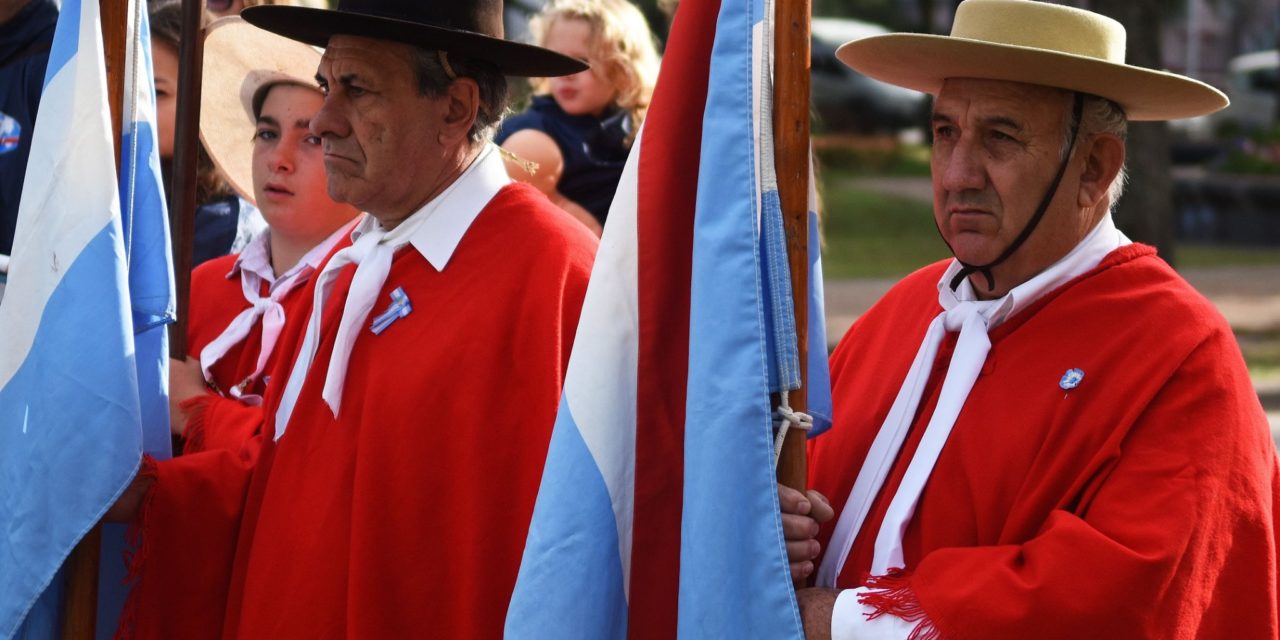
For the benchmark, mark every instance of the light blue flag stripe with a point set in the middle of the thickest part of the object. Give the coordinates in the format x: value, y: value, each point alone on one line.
x: 576, y: 501
x: 69, y: 440
x: 66, y: 41
x: 70, y: 434
x: 734, y: 582
x: 146, y: 225
x: 819, y: 379
x: 151, y: 289
x: 577, y: 558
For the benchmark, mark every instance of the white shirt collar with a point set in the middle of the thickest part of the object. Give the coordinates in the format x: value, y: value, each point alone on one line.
x: 438, y: 226
x: 256, y: 257
x: 1087, y: 254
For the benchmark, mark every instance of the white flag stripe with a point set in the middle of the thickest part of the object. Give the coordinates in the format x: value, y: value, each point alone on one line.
x: 54, y: 223
x: 606, y: 346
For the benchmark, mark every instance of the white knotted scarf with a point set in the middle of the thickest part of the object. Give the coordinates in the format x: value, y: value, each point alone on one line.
x: 434, y: 230
x: 253, y: 267
x: 973, y: 318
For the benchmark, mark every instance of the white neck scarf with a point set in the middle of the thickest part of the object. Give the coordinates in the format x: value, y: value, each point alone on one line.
x: 974, y: 319
x: 254, y: 268
x: 435, y: 229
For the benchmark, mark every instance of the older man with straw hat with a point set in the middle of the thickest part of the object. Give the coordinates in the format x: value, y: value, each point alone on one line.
x: 407, y: 419
x: 1068, y: 446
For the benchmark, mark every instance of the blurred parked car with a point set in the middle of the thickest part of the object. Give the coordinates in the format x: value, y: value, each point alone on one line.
x: 847, y: 101
x: 1251, y: 84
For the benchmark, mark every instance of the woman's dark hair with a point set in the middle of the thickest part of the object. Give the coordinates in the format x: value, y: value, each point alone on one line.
x: 165, y: 17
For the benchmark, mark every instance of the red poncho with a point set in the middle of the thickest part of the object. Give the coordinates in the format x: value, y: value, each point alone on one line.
x: 406, y: 516
x: 1138, y: 505
x: 217, y: 421
x: 214, y: 421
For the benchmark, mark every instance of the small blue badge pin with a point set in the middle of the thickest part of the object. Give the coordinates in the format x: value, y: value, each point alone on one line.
x: 399, y: 308
x: 10, y: 134
x: 1071, y: 379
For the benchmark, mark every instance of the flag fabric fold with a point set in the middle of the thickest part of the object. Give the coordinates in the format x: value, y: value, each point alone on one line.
x: 657, y: 515
x: 145, y: 223
x: 71, y: 410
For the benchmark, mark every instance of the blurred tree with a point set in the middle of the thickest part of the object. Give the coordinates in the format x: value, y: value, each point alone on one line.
x: 926, y: 17
x: 1145, y: 212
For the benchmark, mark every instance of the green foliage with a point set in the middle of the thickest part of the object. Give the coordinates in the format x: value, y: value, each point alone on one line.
x: 1256, y: 153
x: 871, y: 235
x: 1243, y: 163
x: 1261, y: 351
x: 1204, y: 255
x: 896, y: 160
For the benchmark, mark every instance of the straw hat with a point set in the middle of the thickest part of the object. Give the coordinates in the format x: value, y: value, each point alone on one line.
x: 1036, y: 43
x: 240, y: 61
x: 471, y: 28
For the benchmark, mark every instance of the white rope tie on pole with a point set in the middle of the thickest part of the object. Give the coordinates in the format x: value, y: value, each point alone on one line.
x: 783, y: 420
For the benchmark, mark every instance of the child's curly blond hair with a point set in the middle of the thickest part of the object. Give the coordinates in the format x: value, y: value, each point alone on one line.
x: 621, y: 46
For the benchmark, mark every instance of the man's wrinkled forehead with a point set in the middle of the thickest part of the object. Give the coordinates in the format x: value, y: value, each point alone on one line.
x: 1014, y: 100
x: 347, y: 55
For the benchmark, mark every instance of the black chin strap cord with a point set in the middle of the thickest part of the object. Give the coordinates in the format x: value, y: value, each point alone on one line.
x: 985, y: 269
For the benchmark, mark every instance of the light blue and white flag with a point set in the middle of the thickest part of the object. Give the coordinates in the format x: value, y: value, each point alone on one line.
x: 145, y: 222
x: 657, y: 514
x: 71, y: 416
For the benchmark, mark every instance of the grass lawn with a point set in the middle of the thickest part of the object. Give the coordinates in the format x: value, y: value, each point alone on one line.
x: 1261, y: 352
x: 870, y: 235
x: 1207, y: 255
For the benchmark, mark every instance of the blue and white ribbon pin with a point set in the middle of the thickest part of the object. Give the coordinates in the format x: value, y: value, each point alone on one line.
x: 1071, y: 379
x: 399, y: 308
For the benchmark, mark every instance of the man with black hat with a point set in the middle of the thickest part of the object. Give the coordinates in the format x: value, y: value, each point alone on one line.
x: 407, y: 422
x: 1074, y: 449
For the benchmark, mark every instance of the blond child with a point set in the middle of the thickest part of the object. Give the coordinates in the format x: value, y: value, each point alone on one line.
x: 573, y: 140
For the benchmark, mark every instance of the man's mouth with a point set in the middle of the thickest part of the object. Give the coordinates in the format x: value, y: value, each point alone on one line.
x: 330, y: 156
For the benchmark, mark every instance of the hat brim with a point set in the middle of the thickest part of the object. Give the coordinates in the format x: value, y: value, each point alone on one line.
x: 239, y: 60
x: 315, y: 26
x: 923, y: 62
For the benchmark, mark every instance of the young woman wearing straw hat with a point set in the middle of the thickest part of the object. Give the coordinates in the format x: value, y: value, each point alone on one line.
x: 258, y: 98
x: 1074, y: 449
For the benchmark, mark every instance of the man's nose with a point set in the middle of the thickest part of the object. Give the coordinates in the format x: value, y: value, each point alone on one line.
x: 329, y: 120
x: 962, y: 167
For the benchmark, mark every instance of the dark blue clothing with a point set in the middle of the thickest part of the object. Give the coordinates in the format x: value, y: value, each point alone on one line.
x: 215, y: 229
x: 594, y: 150
x: 24, y: 53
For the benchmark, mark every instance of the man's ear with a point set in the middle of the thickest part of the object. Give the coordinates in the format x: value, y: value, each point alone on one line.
x: 463, y: 97
x: 1105, y: 157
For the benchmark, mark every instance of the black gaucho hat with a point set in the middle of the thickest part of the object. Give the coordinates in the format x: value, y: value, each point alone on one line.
x: 469, y: 28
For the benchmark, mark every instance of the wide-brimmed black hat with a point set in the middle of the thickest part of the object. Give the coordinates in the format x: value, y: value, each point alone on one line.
x: 469, y: 28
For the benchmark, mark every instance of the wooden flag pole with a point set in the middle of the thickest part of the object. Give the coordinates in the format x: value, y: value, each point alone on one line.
x: 80, y: 602
x: 791, y: 149
x: 185, y: 157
